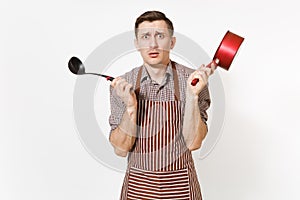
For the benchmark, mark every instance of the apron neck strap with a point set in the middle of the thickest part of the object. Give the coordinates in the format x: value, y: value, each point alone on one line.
x: 176, y: 82
x: 175, y: 78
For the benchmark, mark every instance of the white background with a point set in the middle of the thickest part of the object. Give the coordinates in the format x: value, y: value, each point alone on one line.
x: 41, y: 156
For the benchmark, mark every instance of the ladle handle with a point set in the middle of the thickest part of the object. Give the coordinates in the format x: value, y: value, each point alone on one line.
x: 196, y: 80
x: 109, y: 78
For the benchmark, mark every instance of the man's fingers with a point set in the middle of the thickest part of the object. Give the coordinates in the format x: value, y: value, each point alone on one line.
x: 122, y: 84
x: 128, y: 88
x: 209, y: 71
x: 115, y: 81
x: 119, y: 83
x: 215, y: 64
x: 201, y: 67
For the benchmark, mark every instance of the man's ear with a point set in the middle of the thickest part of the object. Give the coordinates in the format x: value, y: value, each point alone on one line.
x: 173, y: 42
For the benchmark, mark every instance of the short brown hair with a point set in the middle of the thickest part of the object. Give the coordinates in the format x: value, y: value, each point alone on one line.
x: 153, y: 16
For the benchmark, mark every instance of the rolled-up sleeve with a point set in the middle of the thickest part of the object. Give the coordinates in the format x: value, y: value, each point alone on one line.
x: 204, y: 103
x: 117, y: 108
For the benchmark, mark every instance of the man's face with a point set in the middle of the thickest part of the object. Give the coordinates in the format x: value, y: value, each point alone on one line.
x: 154, y: 42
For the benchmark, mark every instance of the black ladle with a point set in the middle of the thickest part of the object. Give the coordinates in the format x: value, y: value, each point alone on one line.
x: 76, y: 67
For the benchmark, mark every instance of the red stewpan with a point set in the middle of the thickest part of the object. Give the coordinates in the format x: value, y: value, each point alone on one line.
x: 226, y: 51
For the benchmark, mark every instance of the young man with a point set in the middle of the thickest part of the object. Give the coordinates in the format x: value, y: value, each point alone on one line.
x: 158, y: 117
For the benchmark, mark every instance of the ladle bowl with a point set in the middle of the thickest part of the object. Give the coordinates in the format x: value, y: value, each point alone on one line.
x: 76, y: 67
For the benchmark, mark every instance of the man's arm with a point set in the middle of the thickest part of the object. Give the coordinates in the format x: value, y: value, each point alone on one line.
x: 123, y: 137
x: 194, y: 128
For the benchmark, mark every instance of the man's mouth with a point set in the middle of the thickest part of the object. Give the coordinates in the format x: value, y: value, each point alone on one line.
x: 153, y: 54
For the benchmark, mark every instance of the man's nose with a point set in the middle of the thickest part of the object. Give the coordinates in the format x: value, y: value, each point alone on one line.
x: 153, y: 42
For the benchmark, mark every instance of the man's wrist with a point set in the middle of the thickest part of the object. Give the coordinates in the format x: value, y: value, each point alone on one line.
x: 131, y: 110
x: 191, y: 97
x: 128, y: 133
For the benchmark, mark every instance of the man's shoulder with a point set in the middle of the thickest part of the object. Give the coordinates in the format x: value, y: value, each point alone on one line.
x: 183, y: 70
x: 130, y: 76
x: 133, y: 71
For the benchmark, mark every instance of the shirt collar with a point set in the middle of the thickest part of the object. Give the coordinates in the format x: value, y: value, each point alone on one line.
x: 169, y: 74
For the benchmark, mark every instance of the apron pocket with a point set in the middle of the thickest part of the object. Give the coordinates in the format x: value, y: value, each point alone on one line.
x: 143, y: 184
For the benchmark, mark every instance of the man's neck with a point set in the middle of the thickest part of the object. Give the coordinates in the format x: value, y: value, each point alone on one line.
x: 157, y: 72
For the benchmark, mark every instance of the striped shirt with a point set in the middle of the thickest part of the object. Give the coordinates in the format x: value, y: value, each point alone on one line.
x: 151, y: 90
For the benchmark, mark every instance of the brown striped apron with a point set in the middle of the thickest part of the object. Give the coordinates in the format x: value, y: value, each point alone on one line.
x: 160, y: 166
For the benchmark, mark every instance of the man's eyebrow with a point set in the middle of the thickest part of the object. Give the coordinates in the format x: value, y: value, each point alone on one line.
x: 160, y: 32
x: 145, y: 33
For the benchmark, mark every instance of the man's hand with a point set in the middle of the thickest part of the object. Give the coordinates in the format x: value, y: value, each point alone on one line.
x: 125, y: 91
x: 194, y: 129
x: 123, y: 137
x: 202, y: 73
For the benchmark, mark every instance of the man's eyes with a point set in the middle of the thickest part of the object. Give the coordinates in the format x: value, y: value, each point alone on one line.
x: 159, y: 36
x: 145, y: 36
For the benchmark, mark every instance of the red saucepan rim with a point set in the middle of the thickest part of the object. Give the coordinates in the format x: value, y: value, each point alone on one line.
x: 228, y: 49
